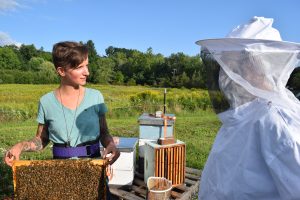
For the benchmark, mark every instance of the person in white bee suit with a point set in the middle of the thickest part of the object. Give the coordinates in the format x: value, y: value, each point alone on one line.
x: 256, y: 153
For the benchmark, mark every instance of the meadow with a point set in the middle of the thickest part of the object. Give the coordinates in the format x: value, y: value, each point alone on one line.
x: 196, y: 123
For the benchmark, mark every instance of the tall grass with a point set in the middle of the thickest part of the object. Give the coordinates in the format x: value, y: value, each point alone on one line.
x: 196, y: 124
x: 19, y: 102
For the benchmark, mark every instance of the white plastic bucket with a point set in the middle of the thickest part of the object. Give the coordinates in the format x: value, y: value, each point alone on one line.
x: 159, y: 188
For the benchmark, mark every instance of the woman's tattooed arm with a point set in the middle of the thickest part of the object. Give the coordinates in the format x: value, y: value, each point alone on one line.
x: 39, y: 142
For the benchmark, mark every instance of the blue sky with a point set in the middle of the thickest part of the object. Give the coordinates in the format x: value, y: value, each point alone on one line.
x: 168, y: 26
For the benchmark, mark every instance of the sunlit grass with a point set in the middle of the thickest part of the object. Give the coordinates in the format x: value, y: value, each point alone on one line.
x: 197, y: 127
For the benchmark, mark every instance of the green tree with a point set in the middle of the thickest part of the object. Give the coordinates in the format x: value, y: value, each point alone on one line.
x: 22, y: 77
x: 27, y: 52
x: 110, y: 51
x: 197, y: 80
x: 34, y: 63
x: 164, y: 82
x: 93, y: 59
x: 120, y: 60
x: 104, y: 73
x: 179, y: 63
x: 131, y: 82
x: 6, y: 76
x: 46, y: 74
x: 47, y: 56
x: 118, y: 78
x: 159, y: 69
x: 9, y: 59
x: 93, y: 55
x: 184, y: 80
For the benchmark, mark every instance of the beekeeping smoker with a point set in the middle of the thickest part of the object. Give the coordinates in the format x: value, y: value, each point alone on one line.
x: 256, y: 153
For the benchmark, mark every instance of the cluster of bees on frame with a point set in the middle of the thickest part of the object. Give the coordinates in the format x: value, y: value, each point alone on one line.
x: 65, y: 179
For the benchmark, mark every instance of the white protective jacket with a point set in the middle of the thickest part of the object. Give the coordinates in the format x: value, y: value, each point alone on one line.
x: 256, y: 154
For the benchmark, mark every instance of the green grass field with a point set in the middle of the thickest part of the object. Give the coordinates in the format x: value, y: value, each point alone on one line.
x: 196, y: 123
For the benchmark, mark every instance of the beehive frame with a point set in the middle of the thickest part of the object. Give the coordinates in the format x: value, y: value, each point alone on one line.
x: 166, y: 161
x: 170, y: 163
x: 72, y: 163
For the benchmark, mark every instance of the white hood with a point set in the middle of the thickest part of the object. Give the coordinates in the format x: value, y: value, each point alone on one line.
x: 254, y: 57
x: 256, y: 28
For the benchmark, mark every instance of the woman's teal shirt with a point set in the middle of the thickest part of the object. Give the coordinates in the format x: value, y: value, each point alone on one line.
x: 60, y: 119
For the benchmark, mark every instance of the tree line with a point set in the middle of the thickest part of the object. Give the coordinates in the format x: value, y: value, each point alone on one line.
x: 121, y: 66
x: 26, y: 64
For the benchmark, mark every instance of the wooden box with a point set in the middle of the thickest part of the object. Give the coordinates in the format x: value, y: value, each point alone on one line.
x: 165, y: 161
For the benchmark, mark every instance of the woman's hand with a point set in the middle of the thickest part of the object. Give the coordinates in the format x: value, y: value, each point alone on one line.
x: 111, y: 153
x: 13, y: 154
x: 110, y: 150
x: 36, y: 144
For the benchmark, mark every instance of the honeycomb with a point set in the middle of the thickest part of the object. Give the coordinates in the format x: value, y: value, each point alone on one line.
x: 60, y: 179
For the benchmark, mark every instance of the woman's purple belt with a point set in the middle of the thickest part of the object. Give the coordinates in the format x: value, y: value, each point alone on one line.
x: 92, y: 150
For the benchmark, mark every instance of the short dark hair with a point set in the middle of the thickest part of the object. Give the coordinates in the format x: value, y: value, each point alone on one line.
x: 69, y: 54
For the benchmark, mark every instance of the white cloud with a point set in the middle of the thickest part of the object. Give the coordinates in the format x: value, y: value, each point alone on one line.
x: 5, y: 39
x: 7, y: 5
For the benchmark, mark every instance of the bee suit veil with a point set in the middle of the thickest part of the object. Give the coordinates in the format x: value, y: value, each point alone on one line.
x: 256, y: 154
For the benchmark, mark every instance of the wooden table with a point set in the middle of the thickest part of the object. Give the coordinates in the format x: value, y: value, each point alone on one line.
x: 138, y: 190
